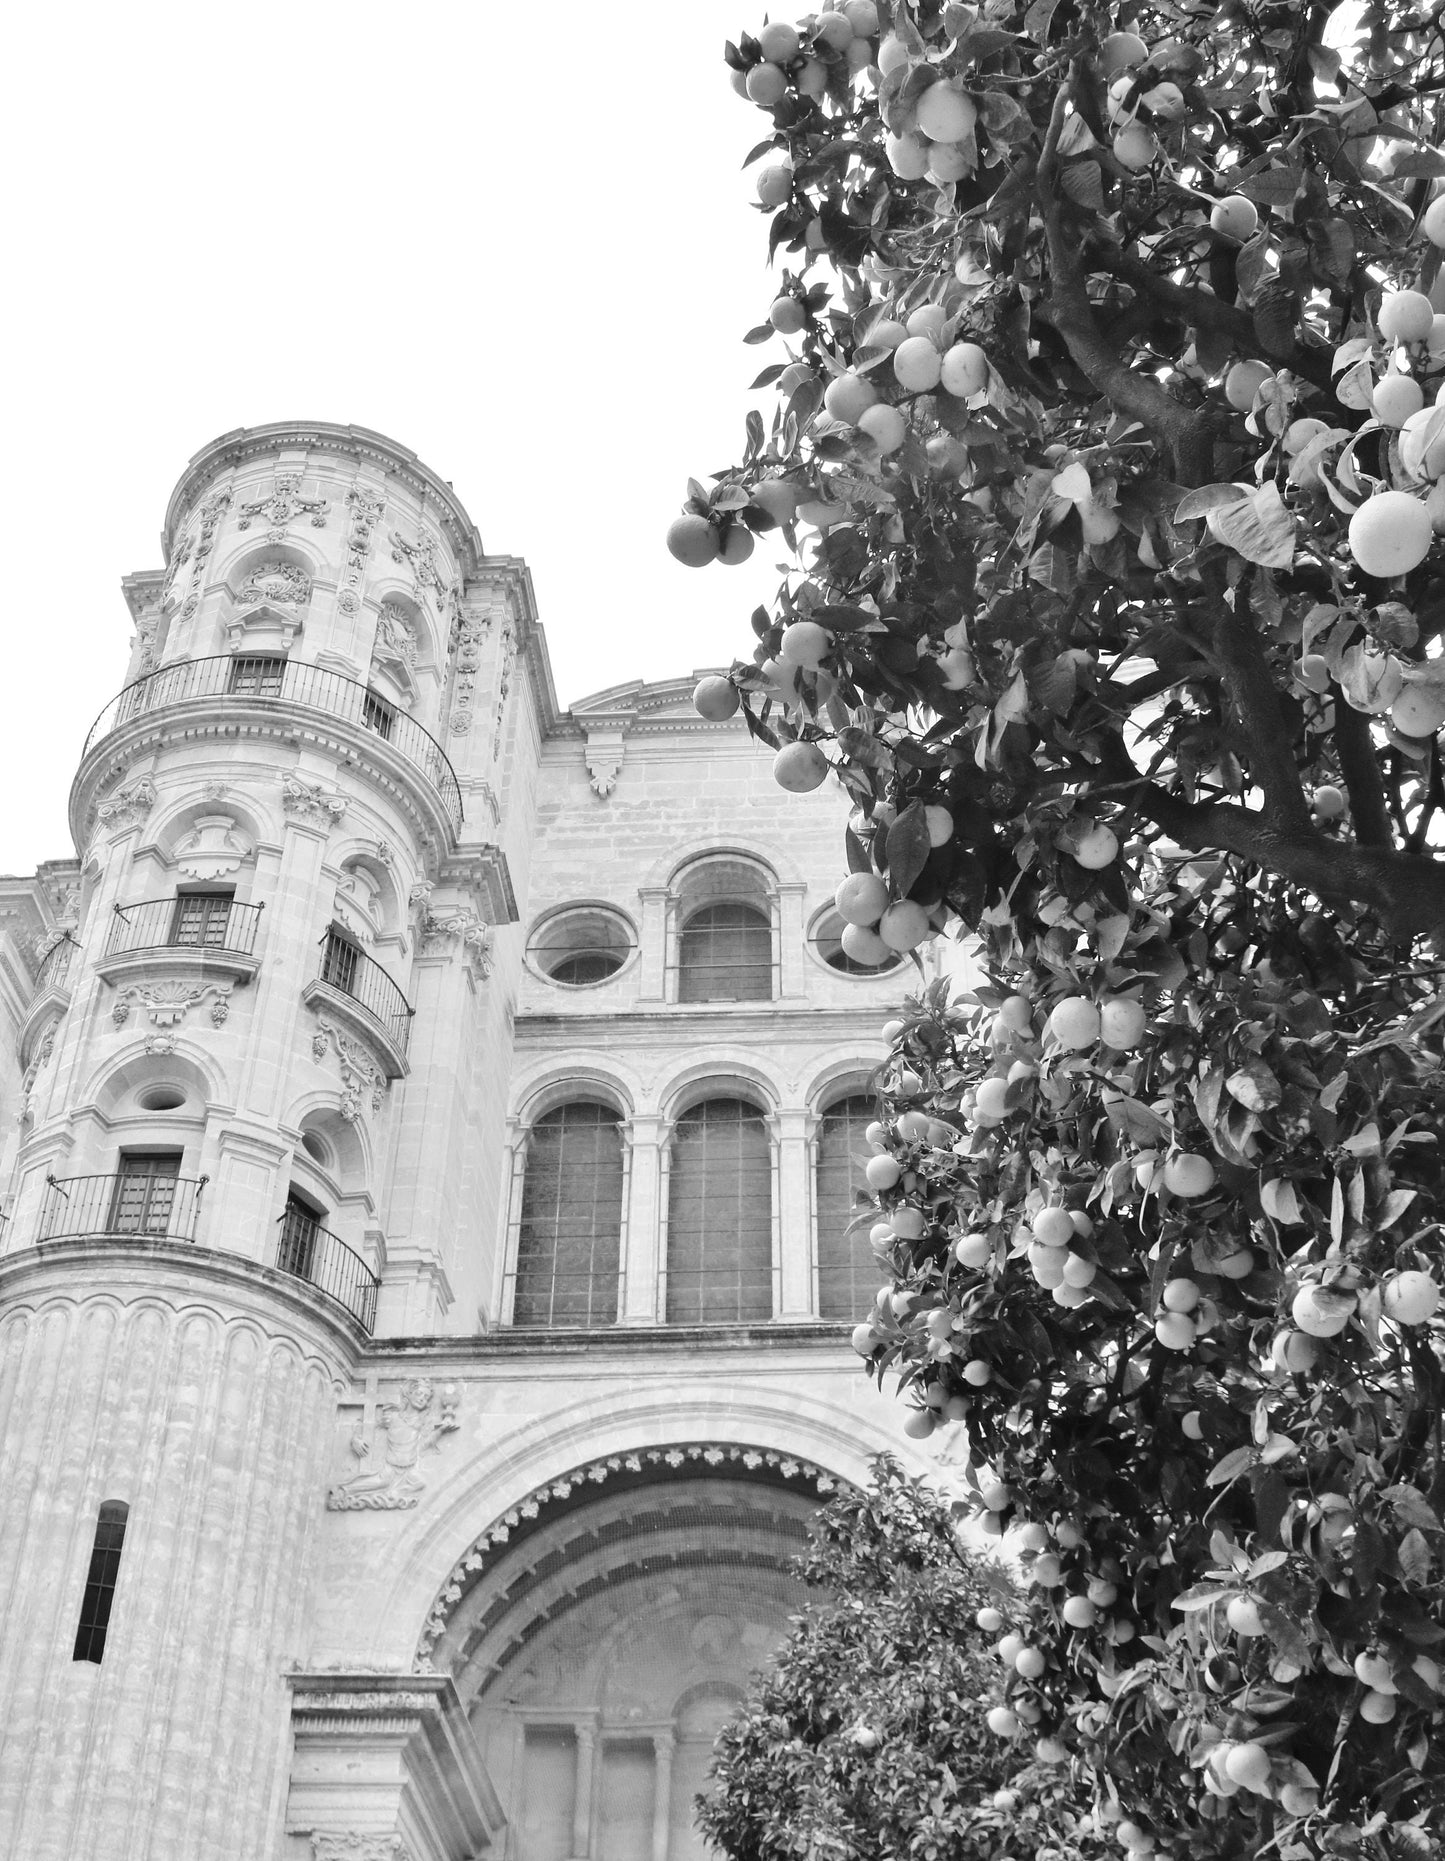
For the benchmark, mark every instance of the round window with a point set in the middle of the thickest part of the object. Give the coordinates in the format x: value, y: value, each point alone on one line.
x: 582, y: 947
x: 161, y: 1098
x: 826, y: 938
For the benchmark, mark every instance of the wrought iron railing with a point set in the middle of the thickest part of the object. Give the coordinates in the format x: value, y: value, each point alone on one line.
x: 121, y: 1206
x: 177, y: 923
x: 250, y: 679
x: 54, y: 968
x: 308, y: 1251
x: 347, y: 967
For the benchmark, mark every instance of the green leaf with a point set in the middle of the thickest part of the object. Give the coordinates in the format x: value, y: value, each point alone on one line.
x: 1237, y: 1461
x: 1258, y: 527
x: 907, y: 849
x: 1414, y: 1557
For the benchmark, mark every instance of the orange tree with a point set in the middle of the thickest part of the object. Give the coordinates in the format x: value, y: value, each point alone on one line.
x: 1108, y: 458
x: 865, y: 1739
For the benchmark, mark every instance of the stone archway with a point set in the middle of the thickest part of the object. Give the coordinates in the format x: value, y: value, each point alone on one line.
x: 599, y: 1634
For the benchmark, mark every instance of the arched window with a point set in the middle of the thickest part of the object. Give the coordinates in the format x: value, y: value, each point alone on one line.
x: 571, y: 1228
x: 720, y: 1216
x: 847, y: 1271
x: 725, y: 954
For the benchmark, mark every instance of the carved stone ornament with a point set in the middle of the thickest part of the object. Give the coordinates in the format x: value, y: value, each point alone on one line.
x: 606, y: 751
x: 470, y: 631
x: 214, y: 846
x: 360, y: 1075
x: 311, y: 802
x: 277, y: 584
x: 128, y: 806
x: 350, y: 1845
x: 283, y: 504
x: 420, y: 894
x: 366, y: 510
x: 422, y: 558
x: 504, y: 685
x: 455, y: 927
x: 40, y: 1057
x: 389, y: 1447
x: 168, y: 1003
x: 196, y: 549
x: 395, y: 643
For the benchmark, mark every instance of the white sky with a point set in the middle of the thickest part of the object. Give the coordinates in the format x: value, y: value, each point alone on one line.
x: 516, y: 239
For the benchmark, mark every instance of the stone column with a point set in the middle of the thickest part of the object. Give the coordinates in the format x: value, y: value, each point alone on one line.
x: 645, y: 1224
x: 791, y: 1131
x: 662, y: 1744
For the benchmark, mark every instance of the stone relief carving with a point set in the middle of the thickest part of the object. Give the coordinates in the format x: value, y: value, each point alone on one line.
x: 214, y: 846
x: 280, y: 584
x: 420, y: 894
x: 360, y: 1075
x: 351, y: 1846
x: 421, y: 557
x: 144, y: 645
x: 504, y: 685
x: 168, y: 1003
x: 196, y: 551
x: 284, y: 503
x: 311, y: 801
x: 402, y: 1431
x: 469, y: 632
x: 128, y: 806
x: 455, y: 927
x: 38, y: 1059
x: 395, y: 643
x: 605, y: 754
x: 367, y: 509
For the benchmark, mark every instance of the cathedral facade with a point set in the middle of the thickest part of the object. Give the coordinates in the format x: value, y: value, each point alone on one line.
x: 426, y: 1264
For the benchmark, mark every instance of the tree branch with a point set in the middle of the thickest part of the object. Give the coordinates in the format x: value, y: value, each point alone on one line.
x: 1072, y: 315
x: 1362, y: 775
x: 1254, y: 698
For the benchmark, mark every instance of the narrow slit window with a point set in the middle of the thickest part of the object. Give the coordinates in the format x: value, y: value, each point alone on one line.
x: 95, y: 1605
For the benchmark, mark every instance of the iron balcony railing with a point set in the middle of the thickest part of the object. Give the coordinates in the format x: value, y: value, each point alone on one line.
x: 54, y: 968
x: 121, y: 1206
x: 268, y: 679
x: 191, y: 921
x: 308, y: 1251
x: 345, y: 966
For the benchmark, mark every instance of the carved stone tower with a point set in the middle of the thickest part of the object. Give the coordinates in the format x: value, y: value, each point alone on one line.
x: 290, y: 873
x: 423, y: 1303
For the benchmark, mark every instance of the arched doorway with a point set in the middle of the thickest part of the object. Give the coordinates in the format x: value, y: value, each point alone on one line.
x: 599, y: 1647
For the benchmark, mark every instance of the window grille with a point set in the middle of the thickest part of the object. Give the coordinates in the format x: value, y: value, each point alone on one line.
x: 720, y: 1216
x: 99, y: 1594
x: 848, y: 1274
x: 338, y: 963
x: 144, y: 1192
x: 570, y: 1238
x: 725, y: 954
x: 202, y: 920
x: 377, y: 713
x: 258, y: 675
x: 296, y: 1250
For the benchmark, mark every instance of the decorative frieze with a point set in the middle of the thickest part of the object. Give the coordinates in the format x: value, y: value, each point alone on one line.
x: 284, y: 504
x: 389, y: 1443
x: 352, y: 1846
x: 128, y: 806
x: 361, y: 1077
x: 168, y: 1003
x: 311, y: 802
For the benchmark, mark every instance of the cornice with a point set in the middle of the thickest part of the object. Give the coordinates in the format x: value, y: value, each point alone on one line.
x: 349, y: 442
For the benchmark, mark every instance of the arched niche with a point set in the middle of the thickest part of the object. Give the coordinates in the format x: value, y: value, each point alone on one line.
x: 403, y: 647
x: 268, y: 594
x: 367, y: 901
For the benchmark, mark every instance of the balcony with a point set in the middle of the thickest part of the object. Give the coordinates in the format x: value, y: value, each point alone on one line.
x: 135, y: 1203
x: 204, y: 931
x: 357, y: 988
x: 306, y: 1250
x: 273, y: 681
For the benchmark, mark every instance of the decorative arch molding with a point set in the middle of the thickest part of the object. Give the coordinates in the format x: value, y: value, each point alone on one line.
x: 587, y: 1075
x: 772, y: 859
x: 544, y: 1502
x: 180, y: 815
x: 137, y: 1062
x: 727, y: 1072
x: 837, y: 1075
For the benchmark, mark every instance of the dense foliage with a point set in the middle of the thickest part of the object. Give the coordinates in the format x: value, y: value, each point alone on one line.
x: 866, y: 1739
x: 1107, y: 455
